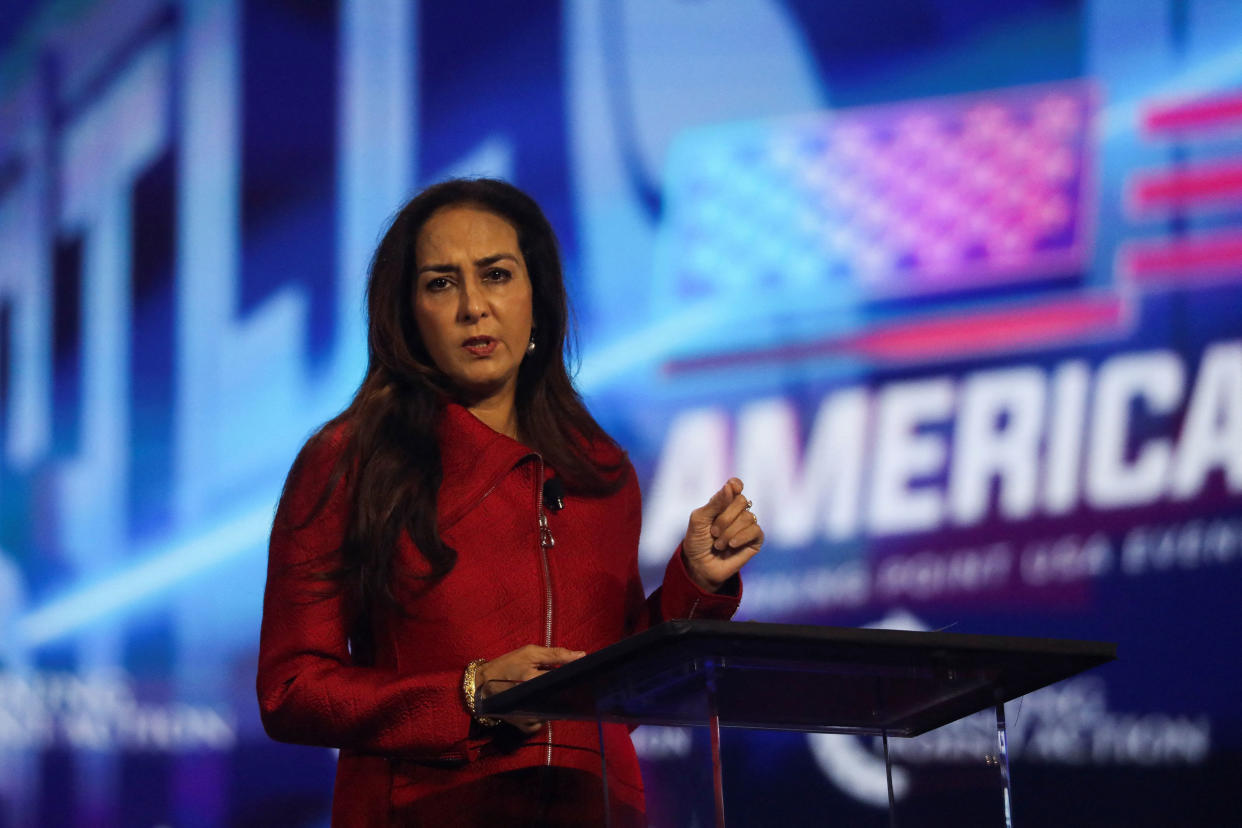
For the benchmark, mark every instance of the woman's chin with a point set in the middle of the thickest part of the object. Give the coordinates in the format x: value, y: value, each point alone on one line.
x: 480, y: 388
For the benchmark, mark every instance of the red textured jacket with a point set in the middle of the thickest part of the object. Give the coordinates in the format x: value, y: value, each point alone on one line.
x: 410, y: 752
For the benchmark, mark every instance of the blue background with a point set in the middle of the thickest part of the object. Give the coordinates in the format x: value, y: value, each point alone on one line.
x: 190, y: 192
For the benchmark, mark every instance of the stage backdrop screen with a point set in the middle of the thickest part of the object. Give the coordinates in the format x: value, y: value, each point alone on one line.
x: 954, y: 286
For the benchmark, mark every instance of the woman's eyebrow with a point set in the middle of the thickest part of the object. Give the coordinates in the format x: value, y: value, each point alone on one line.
x: 483, y: 262
x: 495, y: 257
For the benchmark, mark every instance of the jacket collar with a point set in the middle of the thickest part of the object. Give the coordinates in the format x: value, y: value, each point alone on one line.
x: 474, y: 458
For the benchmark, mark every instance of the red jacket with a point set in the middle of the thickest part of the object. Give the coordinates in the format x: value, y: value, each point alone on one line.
x: 407, y: 742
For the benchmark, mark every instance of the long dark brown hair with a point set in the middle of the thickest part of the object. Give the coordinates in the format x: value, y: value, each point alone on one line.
x: 390, y: 464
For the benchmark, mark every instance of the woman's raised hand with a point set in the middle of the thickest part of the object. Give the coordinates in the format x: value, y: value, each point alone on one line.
x: 520, y: 665
x: 722, y: 536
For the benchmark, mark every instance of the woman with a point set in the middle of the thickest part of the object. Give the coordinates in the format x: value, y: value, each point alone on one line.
x: 417, y: 565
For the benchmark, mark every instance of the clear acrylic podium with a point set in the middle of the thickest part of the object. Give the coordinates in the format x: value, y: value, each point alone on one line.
x: 804, y: 678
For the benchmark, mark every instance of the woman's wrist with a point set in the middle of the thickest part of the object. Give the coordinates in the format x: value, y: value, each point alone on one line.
x: 470, y: 689
x: 703, y: 583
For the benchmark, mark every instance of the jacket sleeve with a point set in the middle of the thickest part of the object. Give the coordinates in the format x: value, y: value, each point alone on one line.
x: 677, y: 596
x: 310, y: 690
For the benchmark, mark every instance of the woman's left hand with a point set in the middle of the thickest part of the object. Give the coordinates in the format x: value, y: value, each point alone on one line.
x: 722, y: 536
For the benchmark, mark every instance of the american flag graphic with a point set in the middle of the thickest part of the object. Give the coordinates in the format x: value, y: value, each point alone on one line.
x: 942, y: 201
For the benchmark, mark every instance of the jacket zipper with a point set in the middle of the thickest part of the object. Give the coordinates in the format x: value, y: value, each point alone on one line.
x: 546, y: 542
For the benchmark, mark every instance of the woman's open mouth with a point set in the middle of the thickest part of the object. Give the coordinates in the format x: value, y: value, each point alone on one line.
x: 480, y: 346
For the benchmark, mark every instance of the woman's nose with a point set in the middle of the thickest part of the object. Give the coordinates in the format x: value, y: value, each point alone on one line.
x: 472, y: 306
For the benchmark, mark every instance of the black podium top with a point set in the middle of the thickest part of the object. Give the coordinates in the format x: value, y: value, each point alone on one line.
x: 790, y: 677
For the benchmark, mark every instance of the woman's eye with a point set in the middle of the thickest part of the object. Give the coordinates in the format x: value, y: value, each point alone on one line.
x: 437, y: 283
x: 497, y: 274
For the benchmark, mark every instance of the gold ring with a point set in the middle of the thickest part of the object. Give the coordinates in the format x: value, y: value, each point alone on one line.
x: 749, y: 503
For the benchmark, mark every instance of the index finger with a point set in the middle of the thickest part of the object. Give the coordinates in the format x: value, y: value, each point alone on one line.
x: 722, y: 498
x: 554, y: 655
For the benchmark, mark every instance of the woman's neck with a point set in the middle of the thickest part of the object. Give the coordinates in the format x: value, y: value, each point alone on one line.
x: 497, y: 414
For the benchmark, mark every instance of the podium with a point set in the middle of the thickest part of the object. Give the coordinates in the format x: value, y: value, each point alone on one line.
x: 887, y: 683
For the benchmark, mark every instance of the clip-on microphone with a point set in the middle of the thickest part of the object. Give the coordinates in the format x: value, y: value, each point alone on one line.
x: 554, y: 494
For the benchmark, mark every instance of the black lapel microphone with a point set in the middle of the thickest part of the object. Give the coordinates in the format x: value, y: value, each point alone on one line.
x: 554, y: 494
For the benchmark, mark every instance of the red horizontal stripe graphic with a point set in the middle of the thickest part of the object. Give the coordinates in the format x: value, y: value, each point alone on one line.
x: 1201, y: 183
x: 1204, y: 113
x: 1195, y: 258
x: 993, y: 331
x: 941, y: 337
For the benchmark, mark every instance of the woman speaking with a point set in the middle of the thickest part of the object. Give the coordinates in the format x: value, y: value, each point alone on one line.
x: 465, y: 524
